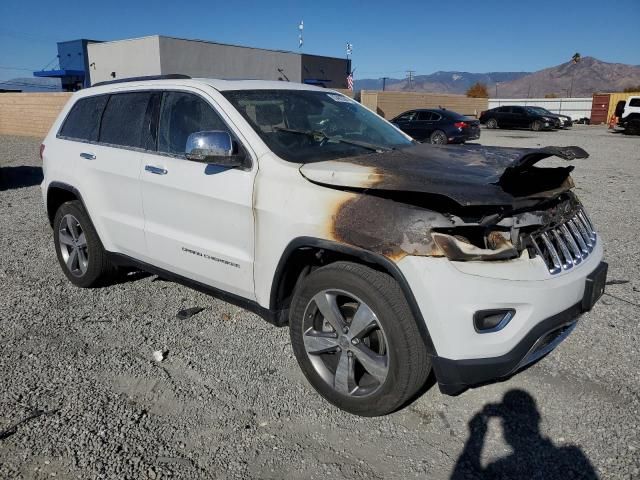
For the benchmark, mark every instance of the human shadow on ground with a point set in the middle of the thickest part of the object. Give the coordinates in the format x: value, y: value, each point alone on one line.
x: 19, y: 177
x: 533, y: 456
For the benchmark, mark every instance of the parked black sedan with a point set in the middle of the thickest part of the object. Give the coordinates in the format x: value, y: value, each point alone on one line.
x: 513, y: 116
x: 437, y: 126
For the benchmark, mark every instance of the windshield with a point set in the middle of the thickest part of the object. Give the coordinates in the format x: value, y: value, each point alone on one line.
x: 539, y: 110
x: 307, y: 126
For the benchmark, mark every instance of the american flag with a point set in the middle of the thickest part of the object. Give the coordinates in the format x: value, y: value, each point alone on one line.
x: 350, y: 81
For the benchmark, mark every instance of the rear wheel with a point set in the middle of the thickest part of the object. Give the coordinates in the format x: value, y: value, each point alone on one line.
x: 79, y: 250
x: 438, y: 138
x: 356, y: 340
x: 632, y: 128
x: 536, y: 126
x: 492, y: 123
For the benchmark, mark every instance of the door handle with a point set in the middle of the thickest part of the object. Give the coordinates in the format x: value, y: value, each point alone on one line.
x: 156, y: 170
x: 88, y: 156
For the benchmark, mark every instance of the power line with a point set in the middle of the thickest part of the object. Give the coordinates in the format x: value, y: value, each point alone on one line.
x: 410, y: 75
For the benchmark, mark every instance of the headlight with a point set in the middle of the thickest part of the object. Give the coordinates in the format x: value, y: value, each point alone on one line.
x: 459, y: 248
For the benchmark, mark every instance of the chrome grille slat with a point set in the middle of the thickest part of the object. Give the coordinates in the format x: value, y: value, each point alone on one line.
x: 577, y: 254
x: 565, y: 245
x: 583, y: 230
x: 578, y: 237
x: 557, y: 265
x: 568, y: 259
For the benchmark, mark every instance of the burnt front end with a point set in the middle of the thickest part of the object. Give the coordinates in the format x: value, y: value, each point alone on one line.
x: 499, y: 253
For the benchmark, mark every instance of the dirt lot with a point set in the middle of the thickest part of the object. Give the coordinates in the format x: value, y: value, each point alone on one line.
x: 81, y: 397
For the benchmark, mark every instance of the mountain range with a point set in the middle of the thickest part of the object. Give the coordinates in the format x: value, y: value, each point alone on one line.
x: 31, y: 84
x: 580, y: 79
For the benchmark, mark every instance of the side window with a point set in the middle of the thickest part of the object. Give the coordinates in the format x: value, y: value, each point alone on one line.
x: 502, y: 109
x: 406, y: 117
x: 634, y: 102
x: 518, y: 110
x: 83, y: 121
x: 181, y: 115
x: 126, y: 121
x: 426, y: 116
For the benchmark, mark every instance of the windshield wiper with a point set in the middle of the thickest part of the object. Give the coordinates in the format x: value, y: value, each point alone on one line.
x: 320, y: 136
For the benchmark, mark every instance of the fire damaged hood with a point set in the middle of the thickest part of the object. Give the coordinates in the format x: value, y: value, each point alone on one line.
x: 470, y: 175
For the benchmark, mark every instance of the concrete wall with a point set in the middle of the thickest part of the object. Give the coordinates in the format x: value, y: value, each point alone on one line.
x: 316, y: 67
x: 205, y: 59
x: 30, y: 114
x: 391, y: 104
x: 573, y: 107
x: 127, y: 58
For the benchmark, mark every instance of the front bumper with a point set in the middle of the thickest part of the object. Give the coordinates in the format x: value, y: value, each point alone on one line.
x: 449, y: 293
x: 454, y: 376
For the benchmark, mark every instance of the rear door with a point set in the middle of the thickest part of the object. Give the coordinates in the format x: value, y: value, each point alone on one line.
x: 109, y: 172
x: 198, y: 217
x: 427, y: 123
x: 503, y: 116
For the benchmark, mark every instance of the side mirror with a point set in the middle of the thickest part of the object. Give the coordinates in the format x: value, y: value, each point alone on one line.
x: 213, y: 147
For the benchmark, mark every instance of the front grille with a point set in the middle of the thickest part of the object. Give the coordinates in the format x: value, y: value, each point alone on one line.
x: 567, y: 244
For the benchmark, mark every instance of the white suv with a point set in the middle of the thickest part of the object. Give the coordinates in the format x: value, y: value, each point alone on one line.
x: 386, y: 258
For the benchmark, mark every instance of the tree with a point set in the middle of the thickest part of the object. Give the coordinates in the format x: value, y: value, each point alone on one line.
x: 576, y: 57
x: 551, y: 95
x: 478, y: 90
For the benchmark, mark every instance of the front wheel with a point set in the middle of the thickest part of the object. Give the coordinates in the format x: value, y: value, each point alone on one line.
x: 356, y: 340
x: 492, y: 123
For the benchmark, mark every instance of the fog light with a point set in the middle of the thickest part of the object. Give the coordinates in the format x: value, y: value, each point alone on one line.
x: 487, y: 321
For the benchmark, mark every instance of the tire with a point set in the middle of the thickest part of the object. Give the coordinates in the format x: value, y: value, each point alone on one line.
x: 536, y: 126
x: 438, y: 138
x: 78, y: 247
x: 632, y: 128
x: 365, y: 371
x: 492, y: 123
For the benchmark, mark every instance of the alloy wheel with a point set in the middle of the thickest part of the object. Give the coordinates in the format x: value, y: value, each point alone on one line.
x: 73, y: 245
x: 345, y: 343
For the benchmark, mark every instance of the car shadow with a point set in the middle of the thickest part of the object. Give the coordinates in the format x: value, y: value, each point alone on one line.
x: 532, y: 456
x: 19, y: 177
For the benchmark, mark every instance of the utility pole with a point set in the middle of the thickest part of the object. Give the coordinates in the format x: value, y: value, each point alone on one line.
x: 384, y: 82
x: 497, y: 89
x: 410, y: 74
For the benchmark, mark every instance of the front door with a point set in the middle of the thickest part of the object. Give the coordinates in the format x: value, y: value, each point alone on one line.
x: 198, y: 217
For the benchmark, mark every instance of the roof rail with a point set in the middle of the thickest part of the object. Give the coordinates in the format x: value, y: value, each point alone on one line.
x: 170, y: 76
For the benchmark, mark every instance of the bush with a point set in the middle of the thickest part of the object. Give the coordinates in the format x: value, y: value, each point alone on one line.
x: 478, y: 90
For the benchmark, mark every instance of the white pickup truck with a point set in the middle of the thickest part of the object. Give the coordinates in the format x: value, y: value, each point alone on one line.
x: 628, y: 113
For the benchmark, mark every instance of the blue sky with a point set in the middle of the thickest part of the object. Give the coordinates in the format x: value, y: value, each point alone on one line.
x: 388, y: 37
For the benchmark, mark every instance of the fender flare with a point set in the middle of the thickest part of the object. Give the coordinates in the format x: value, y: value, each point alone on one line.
x: 364, y: 255
x: 68, y: 188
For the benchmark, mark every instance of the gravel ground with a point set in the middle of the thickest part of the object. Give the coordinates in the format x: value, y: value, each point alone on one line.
x: 82, y: 397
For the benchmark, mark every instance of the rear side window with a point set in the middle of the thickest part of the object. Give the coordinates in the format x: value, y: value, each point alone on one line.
x: 426, y: 116
x: 83, y: 121
x: 634, y: 102
x: 518, y: 110
x: 126, y: 121
x: 181, y: 115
